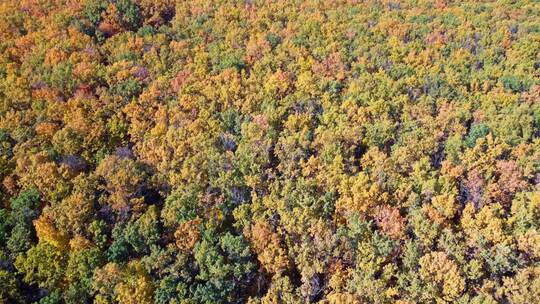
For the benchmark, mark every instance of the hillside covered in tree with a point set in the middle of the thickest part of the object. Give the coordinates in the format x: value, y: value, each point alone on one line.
x: 257, y: 151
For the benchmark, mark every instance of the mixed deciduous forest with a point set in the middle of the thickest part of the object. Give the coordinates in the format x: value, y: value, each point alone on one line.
x: 257, y: 151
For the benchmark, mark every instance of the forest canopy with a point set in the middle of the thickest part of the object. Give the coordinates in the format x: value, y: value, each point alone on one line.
x: 258, y: 151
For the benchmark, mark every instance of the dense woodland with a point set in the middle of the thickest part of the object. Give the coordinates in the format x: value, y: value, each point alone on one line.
x: 171, y: 151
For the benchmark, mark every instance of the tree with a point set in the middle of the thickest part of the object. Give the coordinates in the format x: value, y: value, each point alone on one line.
x: 24, y: 208
x: 43, y: 265
x: 437, y: 268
